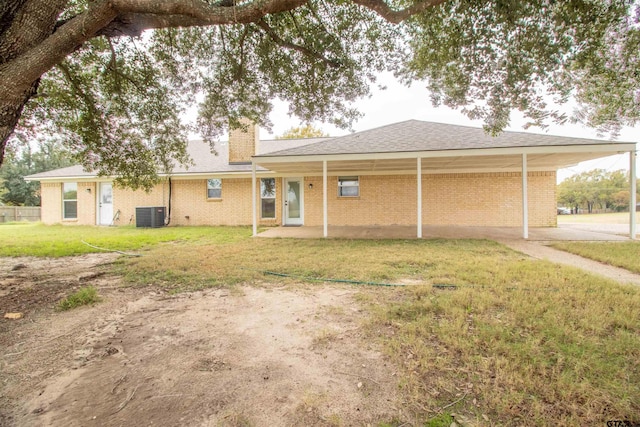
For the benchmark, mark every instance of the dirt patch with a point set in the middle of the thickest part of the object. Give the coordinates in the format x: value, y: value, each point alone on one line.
x: 253, y: 356
x: 30, y: 284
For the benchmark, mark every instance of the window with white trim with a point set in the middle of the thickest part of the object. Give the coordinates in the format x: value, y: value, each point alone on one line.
x: 214, y: 188
x: 70, y: 200
x: 268, y: 198
x: 348, y: 186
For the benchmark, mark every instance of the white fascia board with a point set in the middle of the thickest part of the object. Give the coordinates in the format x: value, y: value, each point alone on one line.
x: 221, y: 175
x: 268, y: 174
x: 424, y: 171
x: 613, y: 148
x: 71, y: 179
x: 182, y: 176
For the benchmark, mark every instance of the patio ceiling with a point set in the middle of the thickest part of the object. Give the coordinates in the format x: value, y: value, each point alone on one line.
x: 431, y: 162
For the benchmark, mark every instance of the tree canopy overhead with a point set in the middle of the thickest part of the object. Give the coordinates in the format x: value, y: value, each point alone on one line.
x: 115, y: 76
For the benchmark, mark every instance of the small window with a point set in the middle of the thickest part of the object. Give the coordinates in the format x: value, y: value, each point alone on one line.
x: 268, y: 197
x: 214, y: 188
x: 348, y: 186
x: 70, y: 200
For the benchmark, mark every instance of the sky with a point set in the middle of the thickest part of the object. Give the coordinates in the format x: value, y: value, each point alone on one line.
x: 399, y: 103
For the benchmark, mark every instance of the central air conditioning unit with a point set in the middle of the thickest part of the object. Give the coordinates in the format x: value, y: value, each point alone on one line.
x: 150, y: 216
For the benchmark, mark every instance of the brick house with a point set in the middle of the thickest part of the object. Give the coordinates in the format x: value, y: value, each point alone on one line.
x: 409, y: 173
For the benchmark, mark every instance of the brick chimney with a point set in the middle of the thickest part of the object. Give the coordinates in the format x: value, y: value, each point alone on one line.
x: 243, y: 144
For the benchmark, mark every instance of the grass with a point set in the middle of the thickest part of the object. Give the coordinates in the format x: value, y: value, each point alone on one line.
x: 379, y: 261
x: 85, y: 296
x: 510, y: 341
x: 620, y: 254
x: 35, y: 239
x: 519, y: 357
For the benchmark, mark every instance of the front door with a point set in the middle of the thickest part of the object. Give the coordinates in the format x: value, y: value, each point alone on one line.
x: 105, y: 204
x: 293, y: 201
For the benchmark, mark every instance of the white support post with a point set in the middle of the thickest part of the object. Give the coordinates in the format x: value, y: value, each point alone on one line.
x: 325, y: 220
x: 633, y: 200
x: 254, y: 195
x: 419, y: 187
x: 525, y: 201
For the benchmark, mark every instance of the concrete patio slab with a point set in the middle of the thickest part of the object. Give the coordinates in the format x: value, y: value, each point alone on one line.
x: 561, y: 233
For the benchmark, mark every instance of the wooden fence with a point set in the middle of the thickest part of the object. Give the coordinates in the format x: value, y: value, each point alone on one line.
x: 19, y: 213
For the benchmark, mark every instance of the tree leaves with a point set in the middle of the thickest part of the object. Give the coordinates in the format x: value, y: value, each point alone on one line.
x: 492, y: 57
x: 22, y: 161
x: 306, y: 131
x: 121, y: 102
x: 607, y: 189
x: 117, y: 109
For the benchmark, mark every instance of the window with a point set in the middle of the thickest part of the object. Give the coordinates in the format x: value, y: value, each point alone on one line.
x: 348, y: 186
x: 214, y: 188
x: 268, y: 197
x: 70, y: 200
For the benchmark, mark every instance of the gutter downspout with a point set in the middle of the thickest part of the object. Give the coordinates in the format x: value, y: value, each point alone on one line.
x: 633, y: 200
x: 525, y: 201
x: 419, y: 201
x: 254, y: 211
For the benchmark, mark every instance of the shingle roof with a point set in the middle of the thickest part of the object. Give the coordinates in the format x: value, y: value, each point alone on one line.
x: 416, y: 136
x: 204, y: 161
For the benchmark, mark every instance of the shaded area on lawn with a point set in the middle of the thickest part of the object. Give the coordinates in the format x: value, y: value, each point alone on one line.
x: 35, y: 239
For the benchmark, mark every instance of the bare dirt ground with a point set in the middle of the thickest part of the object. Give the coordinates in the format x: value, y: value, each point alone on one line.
x: 253, y: 356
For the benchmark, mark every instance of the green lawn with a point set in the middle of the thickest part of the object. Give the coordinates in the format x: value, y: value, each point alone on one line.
x: 35, y: 239
x: 515, y: 340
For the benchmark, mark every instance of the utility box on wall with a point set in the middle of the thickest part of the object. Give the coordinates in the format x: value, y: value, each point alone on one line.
x: 150, y: 216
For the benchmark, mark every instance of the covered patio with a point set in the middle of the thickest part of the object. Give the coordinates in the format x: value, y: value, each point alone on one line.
x: 422, y: 149
x: 561, y: 233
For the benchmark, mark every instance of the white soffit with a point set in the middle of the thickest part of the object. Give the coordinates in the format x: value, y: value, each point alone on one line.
x: 454, y: 161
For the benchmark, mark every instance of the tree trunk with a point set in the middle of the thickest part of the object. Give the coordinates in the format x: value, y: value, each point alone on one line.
x: 10, y: 111
x: 23, y: 25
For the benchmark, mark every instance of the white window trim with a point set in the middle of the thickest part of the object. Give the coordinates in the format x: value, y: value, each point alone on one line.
x: 349, y: 178
x: 268, y: 198
x: 64, y: 204
x: 214, y: 188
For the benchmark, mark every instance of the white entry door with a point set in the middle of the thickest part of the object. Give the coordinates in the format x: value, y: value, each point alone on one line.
x: 105, y: 203
x: 293, y: 201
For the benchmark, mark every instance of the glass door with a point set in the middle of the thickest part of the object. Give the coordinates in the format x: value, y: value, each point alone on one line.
x: 105, y: 203
x: 293, y: 202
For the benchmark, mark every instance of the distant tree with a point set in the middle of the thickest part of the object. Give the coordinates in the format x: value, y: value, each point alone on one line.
x: 306, y: 131
x: 620, y: 200
x: 24, y: 161
x: 606, y: 189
